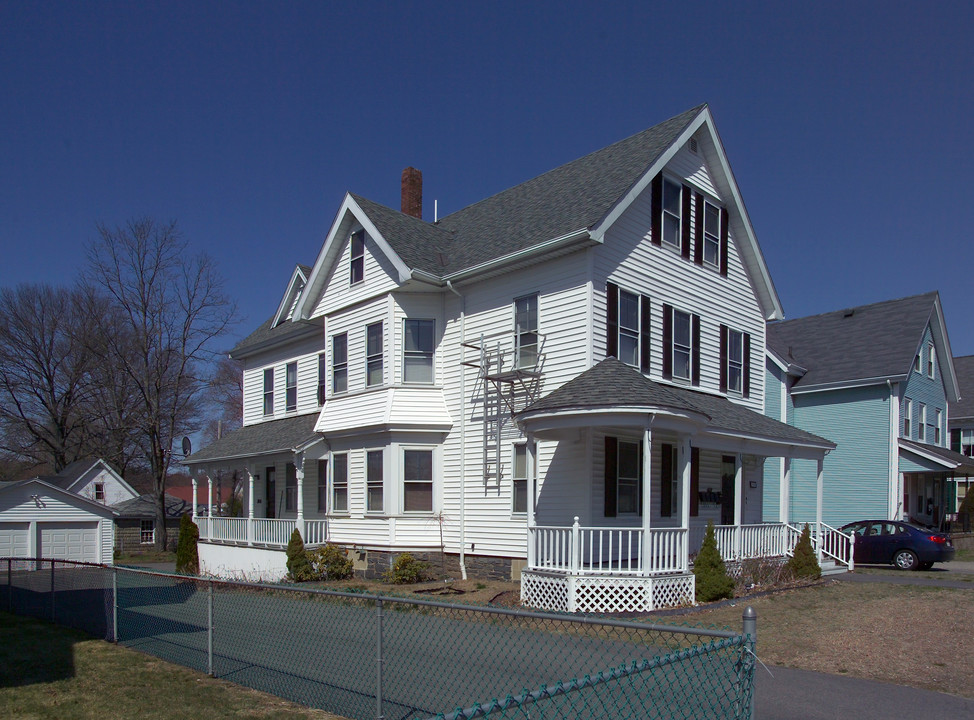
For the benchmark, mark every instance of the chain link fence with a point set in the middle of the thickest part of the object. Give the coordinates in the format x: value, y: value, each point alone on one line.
x: 367, y: 656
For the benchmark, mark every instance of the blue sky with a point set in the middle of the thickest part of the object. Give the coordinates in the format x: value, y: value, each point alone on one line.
x: 847, y: 125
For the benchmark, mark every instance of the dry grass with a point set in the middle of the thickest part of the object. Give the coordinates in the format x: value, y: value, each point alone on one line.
x: 904, y: 634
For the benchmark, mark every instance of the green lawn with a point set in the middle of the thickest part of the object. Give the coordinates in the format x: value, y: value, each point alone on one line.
x: 53, y: 672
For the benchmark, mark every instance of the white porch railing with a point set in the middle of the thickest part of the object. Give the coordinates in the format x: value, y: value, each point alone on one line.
x: 259, y: 531
x: 606, y: 551
x: 744, y: 542
x: 834, y: 544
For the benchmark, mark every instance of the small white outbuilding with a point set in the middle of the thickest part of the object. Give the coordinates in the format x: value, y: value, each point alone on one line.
x: 38, y: 519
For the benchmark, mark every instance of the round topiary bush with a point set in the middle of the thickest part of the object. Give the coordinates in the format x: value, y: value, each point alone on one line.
x: 712, y: 580
x: 298, y: 567
x: 803, y: 563
x: 330, y: 562
x: 187, y: 554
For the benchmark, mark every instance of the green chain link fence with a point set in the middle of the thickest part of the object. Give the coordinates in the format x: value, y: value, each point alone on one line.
x: 365, y: 656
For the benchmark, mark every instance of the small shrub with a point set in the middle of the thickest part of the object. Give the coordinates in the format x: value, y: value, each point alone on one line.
x: 803, y: 563
x: 330, y: 562
x: 298, y: 567
x: 407, y: 570
x: 761, y: 573
x: 712, y: 580
x: 187, y: 553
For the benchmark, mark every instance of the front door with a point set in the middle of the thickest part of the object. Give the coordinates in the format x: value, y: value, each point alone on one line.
x: 270, y: 493
x: 728, y: 474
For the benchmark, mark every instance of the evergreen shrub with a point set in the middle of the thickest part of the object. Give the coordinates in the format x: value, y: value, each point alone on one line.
x: 803, y: 563
x: 187, y: 553
x: 298, y: 567
x: 712, y: 580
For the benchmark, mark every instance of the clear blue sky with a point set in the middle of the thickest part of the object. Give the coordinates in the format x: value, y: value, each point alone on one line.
x: 847, y: 125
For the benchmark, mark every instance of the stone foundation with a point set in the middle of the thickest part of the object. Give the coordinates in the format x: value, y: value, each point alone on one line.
x: 373, y: 564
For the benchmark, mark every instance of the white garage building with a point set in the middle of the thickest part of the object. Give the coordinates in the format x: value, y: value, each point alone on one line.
x: 38, y: 519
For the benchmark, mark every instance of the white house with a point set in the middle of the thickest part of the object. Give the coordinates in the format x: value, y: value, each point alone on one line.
x: 39, y: 519
x: 93, y: 479
x: 561, y: 383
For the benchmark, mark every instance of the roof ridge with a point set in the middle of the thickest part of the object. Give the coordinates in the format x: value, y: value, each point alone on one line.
x: 775, y: 323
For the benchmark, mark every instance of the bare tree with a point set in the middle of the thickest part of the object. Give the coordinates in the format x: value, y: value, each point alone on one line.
x: 167, y: 309
x: 45, y: 375
x: 224, y: 397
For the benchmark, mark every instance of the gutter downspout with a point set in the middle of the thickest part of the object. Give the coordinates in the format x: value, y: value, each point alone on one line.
x: 463, y: 429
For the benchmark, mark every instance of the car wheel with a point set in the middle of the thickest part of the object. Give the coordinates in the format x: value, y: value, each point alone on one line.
x: 905, y: 560
x: 926, y: 565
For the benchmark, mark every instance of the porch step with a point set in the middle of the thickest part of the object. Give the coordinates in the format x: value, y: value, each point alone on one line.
x: 829, y: 567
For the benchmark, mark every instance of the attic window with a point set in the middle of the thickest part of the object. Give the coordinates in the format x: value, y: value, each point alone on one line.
x: 357, y: 270
x: 100, y: 492
x: 692, y: 145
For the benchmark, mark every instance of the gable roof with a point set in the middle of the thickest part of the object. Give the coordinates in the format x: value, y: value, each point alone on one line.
x: 94, y: 505
x: 269, y: 334
x: 964, y: 407
x: 75, y: 471
x: 573, y: 203
x: 612, y: 384
x: 298, y: 279
x: 144, y: 506
x: 864, y: 345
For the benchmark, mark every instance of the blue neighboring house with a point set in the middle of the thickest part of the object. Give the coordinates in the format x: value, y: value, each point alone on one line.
x: 962, y: 428
x: 878, y: 381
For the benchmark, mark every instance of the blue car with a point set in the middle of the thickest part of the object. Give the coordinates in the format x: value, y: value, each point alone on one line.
x: 901, y: 544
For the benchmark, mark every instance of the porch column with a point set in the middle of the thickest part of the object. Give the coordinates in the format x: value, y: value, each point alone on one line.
x: 738, y: 502
x: 299, y: 475
x: 250, y: 506
x: 194, y: 498
x: 530, y: 451
x: 818, y: 508
x: 784, y: 492
x: 648, y: 562
x: 209, y: 498
x: 683, y: 458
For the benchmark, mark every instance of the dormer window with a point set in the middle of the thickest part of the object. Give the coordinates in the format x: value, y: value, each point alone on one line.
x: 672, y: 206
x: 357, y: 269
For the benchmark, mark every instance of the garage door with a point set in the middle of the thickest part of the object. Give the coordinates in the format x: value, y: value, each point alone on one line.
x: 69, y: 541
x: 13, y: 539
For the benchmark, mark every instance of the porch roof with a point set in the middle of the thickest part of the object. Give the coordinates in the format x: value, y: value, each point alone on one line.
x: 263, y: 438
x: 611, y: 386
x: 941, y: 456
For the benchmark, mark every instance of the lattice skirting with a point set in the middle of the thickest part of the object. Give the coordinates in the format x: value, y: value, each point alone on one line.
x: 604, y: 594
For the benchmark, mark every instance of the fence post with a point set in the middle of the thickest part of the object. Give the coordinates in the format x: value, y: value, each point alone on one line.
x: 53, y: 617
x: 378, y: 660
x: 209, y: 629
x: 115, y: 605
x: 750, y: 631
x: 10, y: 586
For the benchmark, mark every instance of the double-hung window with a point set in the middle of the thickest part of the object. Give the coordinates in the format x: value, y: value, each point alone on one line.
x: 628, y: 478
x: 922, y: 424
x: 147, y: 532
x: 373, y: 481
x: 322, y: 486
x: 291, y: 386
x: 908, y: 419
x: 373, y: 354
x: 519, y: 479
x: 735, y: 365
x: 269, y: 391
x: 967, y: 442
x: 931, y: 361
x: 339, y: 483
x: 526, y: 332
x: 417, y: 481
x: 711, y: 234
x: 672, y: 209
x: 339, y: 363
x: 322, y: 378
x: 682, y: 344
x: 629, y: 328
x: 100, y: 492
x: 419, y: 337
x: 357, y: 263
x: 937, y: 425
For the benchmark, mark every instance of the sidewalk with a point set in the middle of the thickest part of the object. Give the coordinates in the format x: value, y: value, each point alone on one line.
x: 801, y: 694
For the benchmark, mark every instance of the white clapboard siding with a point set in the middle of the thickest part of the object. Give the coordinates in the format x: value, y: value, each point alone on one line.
x: 380, y: 277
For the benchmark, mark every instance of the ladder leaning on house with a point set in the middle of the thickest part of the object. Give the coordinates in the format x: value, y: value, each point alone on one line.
x: 508, y: 380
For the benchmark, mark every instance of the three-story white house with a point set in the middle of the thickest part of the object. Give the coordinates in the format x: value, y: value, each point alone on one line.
x: 561, y: 383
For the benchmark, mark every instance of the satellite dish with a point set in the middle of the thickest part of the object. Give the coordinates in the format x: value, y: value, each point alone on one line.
x: 187, y: 447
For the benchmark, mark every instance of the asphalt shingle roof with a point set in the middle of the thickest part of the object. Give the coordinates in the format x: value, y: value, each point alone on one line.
x: 572, y: 197
x: 70, y: 474
x: 260, y: 439
x: 613, y: 384
x: 875, y: 341
x: 144, y: 506
x: 946, y: 454
x: 282, y: 333
x: 964, y: 369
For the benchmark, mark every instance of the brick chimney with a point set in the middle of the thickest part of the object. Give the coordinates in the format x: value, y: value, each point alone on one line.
x: 412, y: 192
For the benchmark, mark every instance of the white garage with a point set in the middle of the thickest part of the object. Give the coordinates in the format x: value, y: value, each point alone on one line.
x: 38, y: 519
